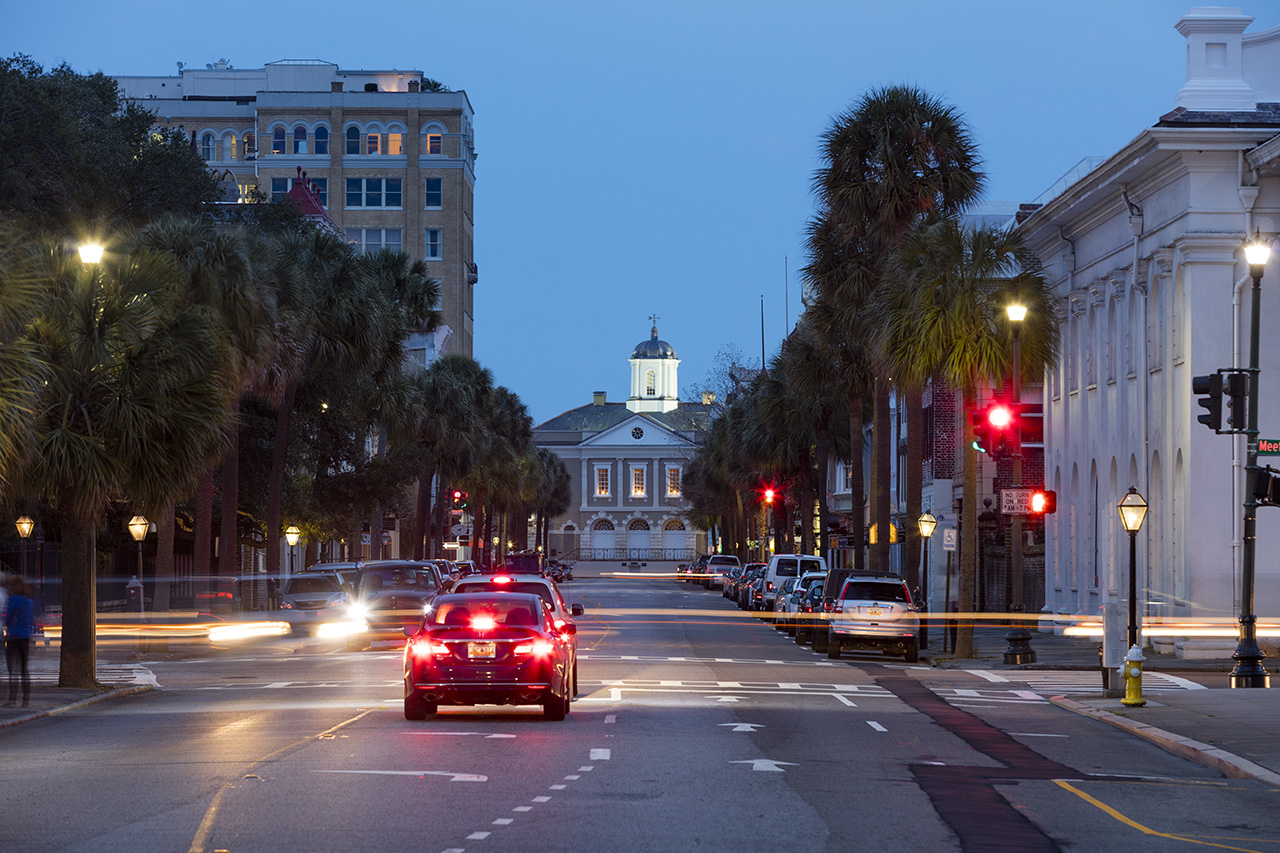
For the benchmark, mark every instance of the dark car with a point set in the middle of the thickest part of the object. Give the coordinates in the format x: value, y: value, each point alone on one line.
x: 745, y: 592
x: 488, y: 649
x: 390, y: 596
x: 809, y: 617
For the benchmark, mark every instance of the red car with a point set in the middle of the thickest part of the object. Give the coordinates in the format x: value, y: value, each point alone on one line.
x: 488, y: 649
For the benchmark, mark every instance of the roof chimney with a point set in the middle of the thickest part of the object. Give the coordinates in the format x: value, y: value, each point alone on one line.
x: 597, y: 399
x: 413, y: 85
x: 1215, y: 67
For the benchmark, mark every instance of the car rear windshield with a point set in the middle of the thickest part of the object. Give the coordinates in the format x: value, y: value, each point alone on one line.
x: 788, y: 568
x: 399, y: 577
x: 314, y: 585
x: 537, y: 589
x: 515, y: 612
x: 875, y: 591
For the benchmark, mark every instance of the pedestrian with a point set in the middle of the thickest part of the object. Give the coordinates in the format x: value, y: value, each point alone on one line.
x: 19, y: 625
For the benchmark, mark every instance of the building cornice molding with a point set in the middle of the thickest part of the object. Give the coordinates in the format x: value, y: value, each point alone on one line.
x: 1213, y: 248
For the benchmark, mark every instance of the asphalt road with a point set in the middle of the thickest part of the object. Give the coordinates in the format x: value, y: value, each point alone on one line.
x: 698, y: 727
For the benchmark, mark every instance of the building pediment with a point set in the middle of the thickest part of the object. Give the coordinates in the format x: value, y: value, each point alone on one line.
x: 638, y: 431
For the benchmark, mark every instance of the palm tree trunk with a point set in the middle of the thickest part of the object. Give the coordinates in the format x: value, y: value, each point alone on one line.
x: 164, y: 557
x: 78, y: 661
x: 275, y: 488
x: 968, y: 539
x: 913, y: 401
x: 857, y: 492
x: 204, y: 526
x: 881, y: 509
x: 229, y: 539
x: 422, y: 514
x: 822, y: 448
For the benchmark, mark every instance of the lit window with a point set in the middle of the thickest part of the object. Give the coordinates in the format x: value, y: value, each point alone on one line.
x: 246, y: 192
x: 322, y: 140
x: 432, y: 251
x: 673, y: 482
x: 435, y: 193
x: 637, y: 483
x: 353, y: 140
x: 650, y: 383
x: 374, y: 192
x: 250, y: 146
x: 373, y: 144
x: 299, y: 140
x: 433, y: 143
x: 206, y: 146
x: 602, y: 482
x: 229, y: 148
x: 373, y: 239
x: 277, y: 141
x: 395, y: 143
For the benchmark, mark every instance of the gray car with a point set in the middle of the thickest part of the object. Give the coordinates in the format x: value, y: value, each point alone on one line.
x: 311, y: 599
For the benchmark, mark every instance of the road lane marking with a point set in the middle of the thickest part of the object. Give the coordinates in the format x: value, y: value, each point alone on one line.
x: 766, y: 764
x: 844, y: 700
x: 611, y: 718
x: 876, y: 726
x: 744, y: 727
x: 541, y: 800
x: 585, y: 769
x: 573, y: 777
x: 523, y: 809
x: 503, y: 821
x: 1034, y: 734
x: 454, y: 777
x: 1146, y: 830
x: 615, y: 694
x: 600, y: 754
x: 989, y: 676
x: 478, y: 836
x: 557, y: 787
x: 421, y: 733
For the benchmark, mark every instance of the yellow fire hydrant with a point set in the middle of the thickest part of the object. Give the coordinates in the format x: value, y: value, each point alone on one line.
x: 1133, y: 678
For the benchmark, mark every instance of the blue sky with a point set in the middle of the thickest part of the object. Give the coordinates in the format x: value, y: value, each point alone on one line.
x: 655, y: 158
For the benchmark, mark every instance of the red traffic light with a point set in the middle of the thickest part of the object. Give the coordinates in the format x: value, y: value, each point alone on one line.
x: 1044, y: 502
x: 1000, y: 416
x: 768, y: 496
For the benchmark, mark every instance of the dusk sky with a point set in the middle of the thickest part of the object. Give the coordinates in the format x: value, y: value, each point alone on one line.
x: 656, y: 157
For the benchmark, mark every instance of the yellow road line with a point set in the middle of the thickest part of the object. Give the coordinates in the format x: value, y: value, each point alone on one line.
x: 205, y: 829
x: 1093, y: 801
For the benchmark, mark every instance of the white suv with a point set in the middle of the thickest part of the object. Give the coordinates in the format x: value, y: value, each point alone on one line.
x: 784, y: 566
x: 874, y: 611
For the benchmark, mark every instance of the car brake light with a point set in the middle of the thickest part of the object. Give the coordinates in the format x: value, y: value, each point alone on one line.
x: 540, y: 648
x: 426, y: 648
x: 837, y: 607
x: 483, y: 623
x: 502, y: 579
x: 769, y: 585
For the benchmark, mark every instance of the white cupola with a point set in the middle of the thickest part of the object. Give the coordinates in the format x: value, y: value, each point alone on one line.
x: 653, y: 375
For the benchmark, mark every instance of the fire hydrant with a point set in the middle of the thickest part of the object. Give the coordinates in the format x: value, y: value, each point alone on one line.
x: 1133, y: 678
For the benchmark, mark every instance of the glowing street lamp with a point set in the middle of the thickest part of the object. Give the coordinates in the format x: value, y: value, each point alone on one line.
x: 25, y: 525
x: 91, y: 253
x: 927, y: 523
x: 1133, y: 509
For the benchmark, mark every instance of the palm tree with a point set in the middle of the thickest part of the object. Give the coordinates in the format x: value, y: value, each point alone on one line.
x: 893, y: 160
x: 22, y: 372
x: 947, y: 318
x: 137, y: 395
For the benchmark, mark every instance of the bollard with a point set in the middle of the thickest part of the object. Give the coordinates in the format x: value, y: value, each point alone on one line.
x: 1133, y: 678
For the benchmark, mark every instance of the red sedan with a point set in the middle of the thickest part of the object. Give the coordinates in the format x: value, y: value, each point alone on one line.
x: 488, y: 649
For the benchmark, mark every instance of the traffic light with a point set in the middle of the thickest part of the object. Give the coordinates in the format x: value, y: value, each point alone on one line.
x: 459, y: 499
x: 1031, y: 423
x: 1266, y: 489
x: 1237, y: 390
x: 768, y: 496
x: 1210, y: 388
x: 994, y: 429
x: 1044, y: 502
x: 981, y: 430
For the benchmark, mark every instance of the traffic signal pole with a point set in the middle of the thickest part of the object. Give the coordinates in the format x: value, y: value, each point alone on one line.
x: 1019, y: 638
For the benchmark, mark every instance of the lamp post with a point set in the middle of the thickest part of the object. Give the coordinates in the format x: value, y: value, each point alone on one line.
x: 1248, y: 671
x: 25, y: 525
x: 1133, y: 509
x: 138, y: 530
x: 927, y: 525
x: 291, y: 536
x: 90, y: 253
x: 1018, y: 637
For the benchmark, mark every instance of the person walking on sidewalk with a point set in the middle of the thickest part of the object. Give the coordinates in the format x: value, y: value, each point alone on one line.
x: 19, y: 625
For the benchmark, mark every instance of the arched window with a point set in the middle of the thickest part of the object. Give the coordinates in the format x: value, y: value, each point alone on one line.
x: 230, y: 148
x: 277, y: 141
x: 353, y: 140
x: 299, y: 140
x: 322, y: 140
x: 250, y: 146
x: 673, y: 524
x: 638, y: 524
x: 206, y: 146
x: 602, y: 524
x: 650, y: 383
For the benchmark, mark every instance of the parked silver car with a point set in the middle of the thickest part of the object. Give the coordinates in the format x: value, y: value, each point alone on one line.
x: 874, y: 611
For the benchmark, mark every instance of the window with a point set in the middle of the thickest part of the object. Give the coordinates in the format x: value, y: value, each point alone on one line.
x: 602, y: 481
x: 637, y: 482
x: 229, y: 147
x: 373, y: 144
x: 434, y: 143
x: 250, y: 146
x: 432, y: 251
x: 650, y: 383
x: 395, y: 144
x: 673, y: 481
x: 277, y: 141
x: 322, y: 140
x: 373, y: 239
x: 299, y: 140
x: 206, y: 146
x: 353, y: 140
x: 279, y: 186
x: 435, y: 193
x: 373, y: 192
x: 321, y: 186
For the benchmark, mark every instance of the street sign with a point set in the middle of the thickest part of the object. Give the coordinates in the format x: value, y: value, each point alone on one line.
x: 949, y: 539
x: 1269, y: 447
x: 461, y: 530
x: 1016, y: 501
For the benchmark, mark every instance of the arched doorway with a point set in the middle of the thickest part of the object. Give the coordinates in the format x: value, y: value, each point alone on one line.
x: 674, y: 539
x: 601, y: 539
x: 638, y: 537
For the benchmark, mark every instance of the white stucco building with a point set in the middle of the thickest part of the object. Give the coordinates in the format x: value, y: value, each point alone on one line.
x: 1144, y: 249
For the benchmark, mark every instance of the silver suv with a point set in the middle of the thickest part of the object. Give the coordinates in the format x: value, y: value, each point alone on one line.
x: 717, y: 566
x: 874, y: 611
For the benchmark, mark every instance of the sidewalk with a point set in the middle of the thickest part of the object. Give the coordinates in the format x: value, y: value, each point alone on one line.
x: 1233, y: 731
x: 48, y: 699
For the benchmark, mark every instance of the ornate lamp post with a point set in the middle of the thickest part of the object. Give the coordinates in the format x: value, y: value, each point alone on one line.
x: 25, y: 525
x: 291, y: 536
x: 1018, y: 637
x: 1133, y: 509
x: 927, y: 525
x: 1248, y: 671
x: 138, y: 530
x: 90, y: 253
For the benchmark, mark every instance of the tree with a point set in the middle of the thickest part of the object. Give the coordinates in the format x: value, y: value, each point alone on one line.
x: 948, y: 317
x: 136, y: 395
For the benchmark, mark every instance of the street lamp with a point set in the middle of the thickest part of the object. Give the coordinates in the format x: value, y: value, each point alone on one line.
x: 1019, y: 638
x: 1248, y: 671
x: 25, y: 525
x: 291, y: 536
x: 1133, y: 509
x: 90, y: 253
x: 927, y: 524
x: 138, y: 530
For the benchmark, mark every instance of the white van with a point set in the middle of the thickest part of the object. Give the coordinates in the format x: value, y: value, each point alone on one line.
x: 785, y: 566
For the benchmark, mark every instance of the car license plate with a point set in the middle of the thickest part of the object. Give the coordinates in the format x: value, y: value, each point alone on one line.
x: 481, y: 650
x: 873, y: 611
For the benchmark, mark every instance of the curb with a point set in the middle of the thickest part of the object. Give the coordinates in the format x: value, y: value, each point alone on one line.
x: 1228, y: 764
x: 111, y: 693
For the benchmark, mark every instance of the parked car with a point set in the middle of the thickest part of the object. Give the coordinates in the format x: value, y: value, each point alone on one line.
x: 808, y: 618
x: 783, y: 566
x: 693, y: 571
x: 874, y: 611
x: 787, y: 606
x: 749, y: 574
x: 831, y: 588
x: 390, y: 596
x: 777, y: 611
x: 489, y: 648
x: 739, y: 579
x: 730, y: 579
x: 312, y: 598
x: 753, y: 593
x: 716, y: 566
